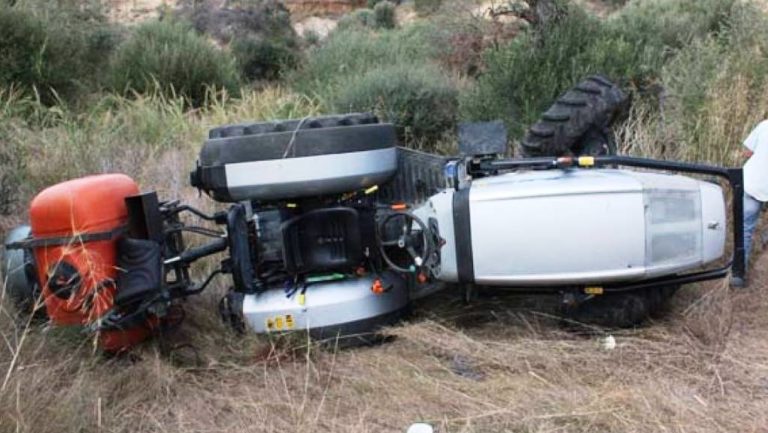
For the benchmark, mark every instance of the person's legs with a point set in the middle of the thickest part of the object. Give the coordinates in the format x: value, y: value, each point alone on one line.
x: 752, y: 209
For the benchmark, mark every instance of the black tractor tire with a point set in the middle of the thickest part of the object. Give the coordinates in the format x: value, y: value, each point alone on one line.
x: 263, y: 141
x: 260, y: 128
x: 325, y: 140
x: 619, y: 310
x: 578, y: 123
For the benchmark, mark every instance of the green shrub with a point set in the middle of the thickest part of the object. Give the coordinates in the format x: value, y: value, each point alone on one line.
x: 55, y: 53
x: 425, y: 7
x: 356, y: 20
x: 384, y: 15
x: 419, y: 100
x: 461, y: 39
x: 225, y: 21
x: 349, y: 53
x: 263, y: 59
x: 311, y: 37
x: 670, y: 24
x: 170, y: 57
x: 392, y: 73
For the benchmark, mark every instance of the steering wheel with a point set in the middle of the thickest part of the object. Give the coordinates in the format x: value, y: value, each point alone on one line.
x: 416, y: 243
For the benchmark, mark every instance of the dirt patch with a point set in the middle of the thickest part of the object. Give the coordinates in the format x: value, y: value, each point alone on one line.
x: 301, y: 9
x: 135, y: 11
x: 318, y: 25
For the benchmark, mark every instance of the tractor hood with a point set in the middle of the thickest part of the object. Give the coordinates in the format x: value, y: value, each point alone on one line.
x: 560, y: 227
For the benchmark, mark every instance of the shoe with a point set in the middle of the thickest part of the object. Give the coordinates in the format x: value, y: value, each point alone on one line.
x: 738, y: 283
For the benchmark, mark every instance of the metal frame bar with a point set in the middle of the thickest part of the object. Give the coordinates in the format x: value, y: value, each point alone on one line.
x: 733, y: 176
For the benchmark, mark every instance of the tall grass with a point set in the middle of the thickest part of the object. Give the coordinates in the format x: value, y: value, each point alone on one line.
x: 714, y: 93
x: 130, y: 135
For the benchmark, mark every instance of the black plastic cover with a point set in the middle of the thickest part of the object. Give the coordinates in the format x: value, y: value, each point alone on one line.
x: 140, y: 269
x: 239, y: 249
x: 482, y: 138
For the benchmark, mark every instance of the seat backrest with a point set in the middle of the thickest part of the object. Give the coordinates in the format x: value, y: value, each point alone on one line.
x: 322, y: 240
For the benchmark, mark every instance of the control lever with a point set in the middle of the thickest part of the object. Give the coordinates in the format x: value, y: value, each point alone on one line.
x: 197, y: 253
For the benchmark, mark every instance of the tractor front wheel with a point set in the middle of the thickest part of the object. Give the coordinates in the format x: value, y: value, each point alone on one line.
x: 619, y: 310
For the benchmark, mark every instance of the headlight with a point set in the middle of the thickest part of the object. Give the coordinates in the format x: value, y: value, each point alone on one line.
x: 673, y: 227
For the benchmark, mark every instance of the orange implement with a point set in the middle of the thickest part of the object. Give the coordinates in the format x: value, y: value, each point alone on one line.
x: 81, y: 219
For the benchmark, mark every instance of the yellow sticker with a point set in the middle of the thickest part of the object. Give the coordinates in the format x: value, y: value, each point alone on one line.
x: 279, y: 323
x: 289, y: 321
x: 586, y: 161
x: 593, y: 290
x: 302, y: 299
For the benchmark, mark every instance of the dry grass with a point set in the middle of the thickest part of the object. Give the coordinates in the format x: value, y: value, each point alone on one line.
x: 487, y: 368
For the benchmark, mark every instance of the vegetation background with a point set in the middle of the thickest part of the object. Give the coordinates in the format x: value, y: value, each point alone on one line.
x: 81, y: 93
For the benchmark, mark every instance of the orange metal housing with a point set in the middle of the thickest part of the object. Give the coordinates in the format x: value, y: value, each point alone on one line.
x: 71, y: 209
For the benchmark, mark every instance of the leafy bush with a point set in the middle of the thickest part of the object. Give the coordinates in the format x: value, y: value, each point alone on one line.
x: 357, y: 20
x: 384, y: 15
x: 425, y: 7
x: 311, y: 37
x: 420, y: 100
x: 55, y: 51
x: 263, y: 59
x: 461, y: 39
x: 389, y: 72
x: 264, y: 18
x: 171, y: 57
x: 671, y: 24
x: 353, y: 52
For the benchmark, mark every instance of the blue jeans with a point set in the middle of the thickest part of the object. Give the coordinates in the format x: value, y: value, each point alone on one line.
x: 752, y: 209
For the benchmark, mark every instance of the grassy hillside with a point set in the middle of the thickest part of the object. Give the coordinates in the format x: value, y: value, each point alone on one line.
x: 695, y: 69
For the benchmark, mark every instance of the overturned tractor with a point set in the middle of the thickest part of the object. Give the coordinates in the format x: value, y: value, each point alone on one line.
x: 334, y: 229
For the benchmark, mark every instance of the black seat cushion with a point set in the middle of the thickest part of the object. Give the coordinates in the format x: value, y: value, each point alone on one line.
x: 322, y: 240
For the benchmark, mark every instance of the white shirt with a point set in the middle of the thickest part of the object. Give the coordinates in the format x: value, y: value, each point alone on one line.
x: 756, y: 168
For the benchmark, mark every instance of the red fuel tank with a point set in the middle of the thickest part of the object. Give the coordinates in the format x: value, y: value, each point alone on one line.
x: 78, y: 223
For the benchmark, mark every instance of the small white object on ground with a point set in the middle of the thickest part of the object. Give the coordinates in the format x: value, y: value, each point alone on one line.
x: 608, y: 342
x: 420, y: 427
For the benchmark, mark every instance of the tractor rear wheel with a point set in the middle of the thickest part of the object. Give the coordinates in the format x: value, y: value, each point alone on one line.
x: 288, y: 159
x: 579, y: 121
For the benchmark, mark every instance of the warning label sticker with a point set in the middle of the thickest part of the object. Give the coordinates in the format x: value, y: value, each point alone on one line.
x: 281, y: 322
